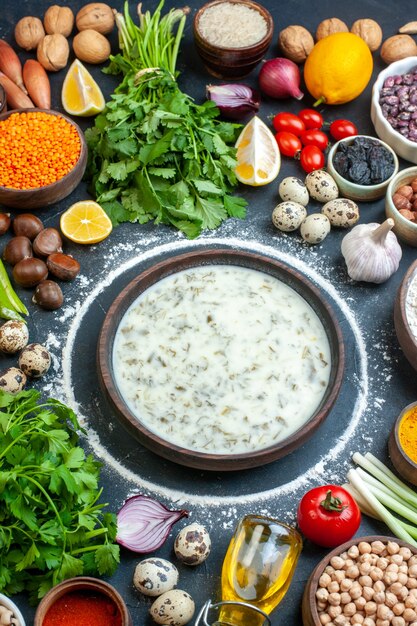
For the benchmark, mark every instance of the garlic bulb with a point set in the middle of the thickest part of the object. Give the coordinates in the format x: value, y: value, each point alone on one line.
x: 372, y: 252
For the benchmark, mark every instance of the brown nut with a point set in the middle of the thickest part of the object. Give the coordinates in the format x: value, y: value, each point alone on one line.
x: 330, y: 26
x: 409, y: 215
x: 29, y: 32
x: 400, y: 202
x: 47, y: 241
x: 59, y: 20
x: 96, y: 16
x: 48, y: 295
x: 53, y: 52
x: 5, y: 221
x: 91, y: 47
x: 28, y: 225
x: 368, y: 30
x: 16, y: 249
x: 406, y: 191
x: 63, y: 266
x: 398, y: 47
x: 29, y: 272
x: 296, y: 43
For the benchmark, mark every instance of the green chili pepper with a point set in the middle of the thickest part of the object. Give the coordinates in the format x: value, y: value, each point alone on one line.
x: 10, y: 314
x: 8, y: 297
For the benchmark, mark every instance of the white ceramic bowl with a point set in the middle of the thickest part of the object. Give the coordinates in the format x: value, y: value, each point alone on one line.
x: 9, y: 604
x: 353, y: 191
x: 403, y: 147
x: 404, y: 228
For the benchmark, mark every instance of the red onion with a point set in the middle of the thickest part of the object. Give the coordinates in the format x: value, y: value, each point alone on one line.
x: 280, y: 78
x: 234, y: 101
x: 143, y: 524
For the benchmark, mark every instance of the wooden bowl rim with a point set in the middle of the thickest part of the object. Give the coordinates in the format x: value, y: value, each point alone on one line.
x: 396, y: 433
x: 403, y: 176
x: 196, y: 458
x: 52, y: 186
x: 3, y: 101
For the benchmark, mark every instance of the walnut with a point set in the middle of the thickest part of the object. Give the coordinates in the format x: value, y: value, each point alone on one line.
x: 368, y: 30
x: 53, y: 52
x: 330, y: 26
x: 59, y: 20
x: 91, y: 47
x: 398, y: 47
x: 296, y: 43
x: 96, y: 16
x: 29, y: 32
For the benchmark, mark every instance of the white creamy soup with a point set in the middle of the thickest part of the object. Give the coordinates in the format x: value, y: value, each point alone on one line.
x: 221, y: 359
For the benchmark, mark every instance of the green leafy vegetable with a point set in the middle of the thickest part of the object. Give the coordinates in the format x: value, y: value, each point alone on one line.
x: 153, y: 153
x: 51, y: 524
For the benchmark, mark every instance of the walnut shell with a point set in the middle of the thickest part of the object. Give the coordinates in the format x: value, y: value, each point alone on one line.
x: 296, y: 43
x: 330, y: 26
x: 90, y: 46
x: 96, y: 16
x: 368, y: 30
x: 398, y: 47
x: 29, y: 32
x: 53, y: 52
x: 59, y: 20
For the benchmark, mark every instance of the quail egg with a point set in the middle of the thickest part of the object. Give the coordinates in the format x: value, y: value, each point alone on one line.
x: 34, y: 360
x: 321, y: 186
x: 294, y: 190
x: 175, y: 608
x: 12, y: 380
x: 315, y: 228
x: 287, y: 216
x: 14, y: 336
x: 155, y: 576
x: 192, y: 544
x: 341, y: 212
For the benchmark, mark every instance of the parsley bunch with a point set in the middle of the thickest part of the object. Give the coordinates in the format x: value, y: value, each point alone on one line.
x: 154, y: 154
x: 51, y: 526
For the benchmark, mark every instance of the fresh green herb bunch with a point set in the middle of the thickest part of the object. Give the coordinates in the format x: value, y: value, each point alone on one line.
x: 153, y: 153
x: 51, y: 526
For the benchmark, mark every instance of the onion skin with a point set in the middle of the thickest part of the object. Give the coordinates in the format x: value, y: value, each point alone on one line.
x: 235, y: 101
x: 10, y: 65
x: 37, y: 83
x: 280, y: 78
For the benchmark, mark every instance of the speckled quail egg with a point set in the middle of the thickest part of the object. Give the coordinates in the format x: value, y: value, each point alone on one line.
x: 175, y: 608
x: 14, y: 335
x: 321, y: 186
x: 315, y: 228
x: 294, y: 190
x: 287, y: 216
x: 192, y: 544
x: 12, y: 380
x: 341, y: 212
x: 155, y: 576
x: 34, y: 360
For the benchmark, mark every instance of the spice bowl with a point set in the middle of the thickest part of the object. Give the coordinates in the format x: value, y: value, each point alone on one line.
x: 74, y: 594
x: 41, y: 196
x: 354, y: 191
x: 404, y: 228
x: 236, y: 59
x: 406, y: 304
x: 397, y: 443
x: 404, y: 147
x: 11, y: 606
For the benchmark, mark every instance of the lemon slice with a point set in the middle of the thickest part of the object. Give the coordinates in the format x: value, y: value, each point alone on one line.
x: 85, y: 222
x: 81, y: 95
x: 258, y: 155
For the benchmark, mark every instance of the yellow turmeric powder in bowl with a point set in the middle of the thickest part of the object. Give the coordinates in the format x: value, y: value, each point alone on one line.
x: 407, y: 433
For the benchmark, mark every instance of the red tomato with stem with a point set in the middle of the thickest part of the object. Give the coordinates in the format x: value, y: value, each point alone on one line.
x: 339, y: 129
x: 312, y: 119
x: 315, y: 138
x: 328, y: 515
x: 311, y: 158
x: 288, y: 122
x: 288, y: 143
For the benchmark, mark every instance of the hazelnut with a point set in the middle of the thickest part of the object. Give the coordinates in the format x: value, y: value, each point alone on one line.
x: 96, y: 16
x: 28, y: 32
x: 330, y: 26
x: 368, y: 30
x: 91, y: 47
x: 296, y: 43
x: 53, y: 52
x: 59, y: 20
x: 398, y: 47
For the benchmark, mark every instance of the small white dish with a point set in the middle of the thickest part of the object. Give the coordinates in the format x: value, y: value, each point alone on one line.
x: 9, y: 604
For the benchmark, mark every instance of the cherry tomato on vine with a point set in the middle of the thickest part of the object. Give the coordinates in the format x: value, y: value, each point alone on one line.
x: 288, y: 122
x: 311, y: 158
x: 339, y: 129
x: 315, y: 138
x: 328, y: 515
x: 312, y: 119
x: 288, y: 143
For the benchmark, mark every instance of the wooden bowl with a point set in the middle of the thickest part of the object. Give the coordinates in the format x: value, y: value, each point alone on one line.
x: 400, y: 460
x: 44, y: 196
x: 405, y: 335
x: 403, y: 228
x: 3, y: 103
x: 309, y: 607
x: 82, y: 583
x: 211, y: 461
x: 233, y: 63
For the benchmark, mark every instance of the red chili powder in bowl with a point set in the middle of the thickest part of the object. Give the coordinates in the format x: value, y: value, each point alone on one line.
x: 83, y: 608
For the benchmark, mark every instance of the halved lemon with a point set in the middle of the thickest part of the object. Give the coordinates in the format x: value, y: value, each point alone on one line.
x: 258, y: 157
x: 81, y: 95
x: 85, y: 222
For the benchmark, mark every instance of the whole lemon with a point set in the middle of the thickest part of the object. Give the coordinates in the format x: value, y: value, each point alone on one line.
x: 338, y: 68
